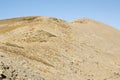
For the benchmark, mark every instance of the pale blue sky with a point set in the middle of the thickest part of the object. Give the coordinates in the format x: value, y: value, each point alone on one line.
x: 106, y: 11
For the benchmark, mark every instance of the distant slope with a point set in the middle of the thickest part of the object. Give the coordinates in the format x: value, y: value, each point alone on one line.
x: 46, y: 48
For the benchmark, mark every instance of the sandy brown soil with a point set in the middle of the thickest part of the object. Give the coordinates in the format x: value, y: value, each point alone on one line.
x: 46, y: 48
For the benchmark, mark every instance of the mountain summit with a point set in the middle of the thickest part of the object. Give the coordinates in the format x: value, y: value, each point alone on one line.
x: 46, y: 48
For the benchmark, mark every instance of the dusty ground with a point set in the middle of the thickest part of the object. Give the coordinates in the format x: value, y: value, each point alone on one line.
x: 45, y: 48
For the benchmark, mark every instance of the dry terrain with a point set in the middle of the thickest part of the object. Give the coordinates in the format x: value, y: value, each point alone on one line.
x: 46, y: 48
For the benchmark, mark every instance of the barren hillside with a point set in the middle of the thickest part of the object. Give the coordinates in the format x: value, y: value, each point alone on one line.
x: 46, y: 48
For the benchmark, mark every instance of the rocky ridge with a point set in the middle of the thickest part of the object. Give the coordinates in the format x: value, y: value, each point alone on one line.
x: 46, y: 48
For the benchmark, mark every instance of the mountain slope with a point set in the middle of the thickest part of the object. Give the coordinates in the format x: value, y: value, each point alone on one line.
x: 46, y: 48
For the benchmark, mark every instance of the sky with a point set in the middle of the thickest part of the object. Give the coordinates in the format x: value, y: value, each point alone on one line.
x: 106, y: 11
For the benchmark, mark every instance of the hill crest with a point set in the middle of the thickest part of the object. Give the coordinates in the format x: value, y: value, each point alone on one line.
x: 48, y: 48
